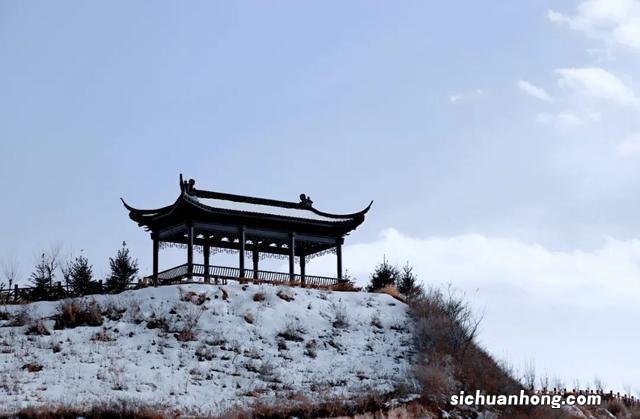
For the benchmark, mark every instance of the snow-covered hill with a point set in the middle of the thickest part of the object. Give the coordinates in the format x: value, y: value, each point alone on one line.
x: 205, y: 348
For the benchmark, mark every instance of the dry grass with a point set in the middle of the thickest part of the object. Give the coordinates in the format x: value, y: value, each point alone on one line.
x: 345, y: 286
x: 248, y: 317
x: 259, y: 296
x: 392, y: 291
x: 73, y: 313
x: 299, y: 405
x: 118, y: 410
x: 444, y: 335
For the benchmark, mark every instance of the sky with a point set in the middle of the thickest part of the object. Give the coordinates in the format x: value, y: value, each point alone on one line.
x: 500, y: 142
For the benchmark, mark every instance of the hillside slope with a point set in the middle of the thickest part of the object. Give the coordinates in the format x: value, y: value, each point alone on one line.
x: 204, y: 348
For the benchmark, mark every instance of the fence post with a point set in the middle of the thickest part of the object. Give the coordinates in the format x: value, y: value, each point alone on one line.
x: 15, y: 294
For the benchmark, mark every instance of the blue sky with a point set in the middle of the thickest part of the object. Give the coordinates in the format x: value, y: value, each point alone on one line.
x: 512, y: 122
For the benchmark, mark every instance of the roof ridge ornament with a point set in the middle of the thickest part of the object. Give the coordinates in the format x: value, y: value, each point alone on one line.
x: 187, y: 186
x: 305, y: 201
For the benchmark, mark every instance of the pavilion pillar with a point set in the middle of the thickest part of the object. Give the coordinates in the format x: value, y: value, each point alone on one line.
x: 303, y: 275
x: 292, y: 256
x: 339, y: 243
x: 256, y: 259
x: 190, y: 251
x: 156, y: 252
x: 206, y: 252
x: 242, y: 242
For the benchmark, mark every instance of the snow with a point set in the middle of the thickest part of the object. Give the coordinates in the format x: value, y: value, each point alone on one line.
x: 266, y: 209
x: 238, y: 361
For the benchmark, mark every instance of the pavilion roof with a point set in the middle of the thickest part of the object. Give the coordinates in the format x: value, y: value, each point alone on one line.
x: 210, y: 206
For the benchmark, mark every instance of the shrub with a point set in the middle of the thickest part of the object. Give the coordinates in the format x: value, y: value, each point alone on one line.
x: 340, y: 319
x: 73, y: 313
x: 32, y: 367
x: 375, y: 321
x: 285, y: 295
x: 310, y: 348
x: 444, y: 336
x: 248, y: 317
x: 113, y: 312
x: 189, y: 322
x: 22, y: 317
x: 259, y: 296
x: 293, y: 332
x: 615, y: 407
x: 103, y: 336
x: 158, y: 322
x: 193, y: 297
x: 38, y: 328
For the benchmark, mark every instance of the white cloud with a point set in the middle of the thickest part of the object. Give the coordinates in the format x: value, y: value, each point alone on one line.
x: 597, y: 83
x: 457, y: 97
x: 565, y: 118
x: 630, y: 146
x: 570, y: 310
x: 535, y: 91
x: 616, y: 21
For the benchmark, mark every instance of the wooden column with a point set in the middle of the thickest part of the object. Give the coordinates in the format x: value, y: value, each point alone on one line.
x: 256, y: 259
x: 303, y: 264
x: 339, y: 242
x: 292, y: 255
x: 206, y: 252
x: 189, y: 251
x: 242, y: 240
x: 156, y: 251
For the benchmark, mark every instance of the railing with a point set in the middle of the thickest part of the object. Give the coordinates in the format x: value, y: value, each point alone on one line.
x: 627, y: 399
x: 180, y: 272
x: 177, y: 274
x: 55, y: 291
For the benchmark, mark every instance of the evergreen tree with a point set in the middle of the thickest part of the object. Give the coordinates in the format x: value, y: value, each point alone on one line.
x: 80, y: 275
x: 41, y: 279
x: 408, y: 283
x: 384, y: 275
x: 123, y: 269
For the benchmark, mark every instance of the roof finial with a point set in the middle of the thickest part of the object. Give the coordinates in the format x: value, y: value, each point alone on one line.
x: 305, y: 200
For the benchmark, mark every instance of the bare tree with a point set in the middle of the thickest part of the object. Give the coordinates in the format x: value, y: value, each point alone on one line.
x: 576, y: 384
x: 10, y: 271
x: 52, y: 260
x: 529, y: 374
x: 599, y: 384
x: 544, y: 381
x: 558, y: 383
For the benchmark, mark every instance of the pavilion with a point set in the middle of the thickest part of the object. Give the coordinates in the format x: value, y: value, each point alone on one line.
x: 251, y: 227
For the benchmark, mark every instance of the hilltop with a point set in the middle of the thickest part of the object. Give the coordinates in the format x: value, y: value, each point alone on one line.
x: 203, y: 349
